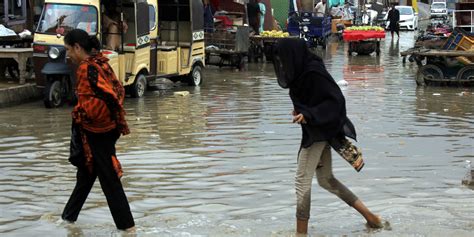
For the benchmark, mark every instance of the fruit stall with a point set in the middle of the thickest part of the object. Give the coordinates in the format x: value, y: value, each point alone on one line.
x: 363, y: 40
x: 263, y: 44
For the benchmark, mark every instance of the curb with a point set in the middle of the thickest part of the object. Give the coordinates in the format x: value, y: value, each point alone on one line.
x: 19, y: 94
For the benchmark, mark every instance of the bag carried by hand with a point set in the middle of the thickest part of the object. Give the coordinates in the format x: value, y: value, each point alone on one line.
x: 76, y: 149
x: 348, y: 151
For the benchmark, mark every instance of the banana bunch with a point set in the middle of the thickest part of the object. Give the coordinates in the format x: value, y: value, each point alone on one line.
x: 365, y: 28
x: 274, y: 34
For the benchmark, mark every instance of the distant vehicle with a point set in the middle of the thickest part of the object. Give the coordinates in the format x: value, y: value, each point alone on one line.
x: 439, y: 10
x: 408, y: 18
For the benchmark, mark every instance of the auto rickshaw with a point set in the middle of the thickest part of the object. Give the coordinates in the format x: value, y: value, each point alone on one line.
x: 164, y: 40
x: 313, y: 29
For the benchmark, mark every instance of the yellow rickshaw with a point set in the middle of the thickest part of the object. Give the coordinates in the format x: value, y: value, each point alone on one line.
x: 163, y: 40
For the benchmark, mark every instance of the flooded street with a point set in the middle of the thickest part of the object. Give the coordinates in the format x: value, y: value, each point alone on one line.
x: 221, y: 161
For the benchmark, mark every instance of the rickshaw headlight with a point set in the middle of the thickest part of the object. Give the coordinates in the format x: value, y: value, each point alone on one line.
x: 305, y: 29
x: 54, y: 53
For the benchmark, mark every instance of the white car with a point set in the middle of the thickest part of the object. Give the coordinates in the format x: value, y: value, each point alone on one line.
x: 439, y: 10
x: 408, y: 18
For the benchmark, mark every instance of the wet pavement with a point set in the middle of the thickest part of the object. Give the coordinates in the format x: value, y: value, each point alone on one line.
x: 221, y: 161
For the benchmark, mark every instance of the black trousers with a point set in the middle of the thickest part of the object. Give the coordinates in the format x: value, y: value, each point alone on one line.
x: 394, y: 27
x: 103, y: 147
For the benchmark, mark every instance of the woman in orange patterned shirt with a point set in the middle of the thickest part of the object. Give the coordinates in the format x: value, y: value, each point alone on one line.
x: 98, y: 122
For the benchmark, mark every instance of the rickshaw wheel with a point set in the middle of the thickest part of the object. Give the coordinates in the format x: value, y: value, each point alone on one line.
x: 53, y: 96
x: 195, y: 77
x: 466, y: 74
x: 138, y: 87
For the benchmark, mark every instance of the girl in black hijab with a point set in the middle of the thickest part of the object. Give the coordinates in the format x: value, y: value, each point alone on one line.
x: 320, y: 108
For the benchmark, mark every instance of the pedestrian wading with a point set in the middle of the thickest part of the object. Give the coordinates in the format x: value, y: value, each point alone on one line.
x: 98, y: 121
x: 320, y: 108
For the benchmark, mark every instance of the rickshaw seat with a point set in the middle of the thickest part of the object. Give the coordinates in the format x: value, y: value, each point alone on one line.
x: 176, y: 44
x: 129, y: 48
x: 165, y: 47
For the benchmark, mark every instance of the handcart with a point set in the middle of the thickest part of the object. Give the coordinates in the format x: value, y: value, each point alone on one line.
x: 452, y: 64
x: 227, y: 46
x: 263, y: 45
x: 444, y: 67
x: 363, y: 42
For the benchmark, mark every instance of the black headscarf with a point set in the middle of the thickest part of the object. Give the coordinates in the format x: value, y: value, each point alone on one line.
x: 313, y: 91
x: 289, y: 59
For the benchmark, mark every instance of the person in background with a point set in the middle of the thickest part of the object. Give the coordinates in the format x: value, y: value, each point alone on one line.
x: 214, y: 6
x: 111, y: 22
x: 98, y: 121
x: 393, y: 16
x: 306, y: 6
x: 263, y: 10
x: 294, y: 7
x: 253, y: 14
x: 208, y: 16
x: 320, y: 8
x: 320, y: 109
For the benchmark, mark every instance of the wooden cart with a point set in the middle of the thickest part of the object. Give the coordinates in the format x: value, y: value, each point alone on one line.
x: 451, y: 64
x: 227, y: 47
x: 263, y: 45
x: 15, y: 58
x: 444, y: 67
x: 260, y: 45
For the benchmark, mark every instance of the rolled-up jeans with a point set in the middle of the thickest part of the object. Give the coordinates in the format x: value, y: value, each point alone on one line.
x: 317, y: 159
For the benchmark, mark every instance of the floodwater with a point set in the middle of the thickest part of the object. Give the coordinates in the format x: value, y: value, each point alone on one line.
x: 221, y: 161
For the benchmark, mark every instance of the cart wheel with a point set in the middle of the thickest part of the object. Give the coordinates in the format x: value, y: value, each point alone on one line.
x: 13, y: 71
x: 251, y: 54
x: 466, y: 74
x: 241, y: 63
x: 324, y: 42
x: 428, y: 73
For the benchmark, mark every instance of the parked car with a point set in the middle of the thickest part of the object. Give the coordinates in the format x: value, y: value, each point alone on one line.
x: 408, y: 18
x: 439, y: 10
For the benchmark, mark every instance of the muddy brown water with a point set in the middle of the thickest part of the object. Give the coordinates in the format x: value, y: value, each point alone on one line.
x: 221, y: 161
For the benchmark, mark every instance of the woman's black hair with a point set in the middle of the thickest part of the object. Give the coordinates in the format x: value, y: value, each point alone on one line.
x: 83, y: 39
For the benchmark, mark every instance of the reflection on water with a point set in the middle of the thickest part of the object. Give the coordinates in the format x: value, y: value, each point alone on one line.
x: 363, y: 68
x: 221, y: 161
x: 394, y: 49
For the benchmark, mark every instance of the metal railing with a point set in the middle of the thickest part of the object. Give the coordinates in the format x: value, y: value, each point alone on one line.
x: 464, y: 13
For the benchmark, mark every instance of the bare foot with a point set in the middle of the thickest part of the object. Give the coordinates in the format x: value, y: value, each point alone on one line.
x: 375, y: 222
x: 64, y: 222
